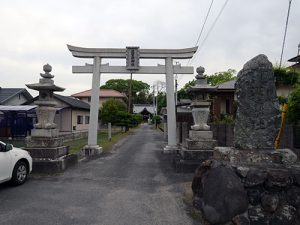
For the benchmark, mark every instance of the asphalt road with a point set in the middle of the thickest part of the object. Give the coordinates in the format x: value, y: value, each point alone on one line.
x: 133, y: 185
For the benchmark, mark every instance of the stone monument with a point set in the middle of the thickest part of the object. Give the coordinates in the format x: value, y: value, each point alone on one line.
x: 251, y: 183
x: 258, y: 115
x: 44, y: 145
x: 200, y: 143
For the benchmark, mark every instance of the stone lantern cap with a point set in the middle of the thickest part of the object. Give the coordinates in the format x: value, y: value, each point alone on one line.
x: 201, y: 85
x: 46, y: 82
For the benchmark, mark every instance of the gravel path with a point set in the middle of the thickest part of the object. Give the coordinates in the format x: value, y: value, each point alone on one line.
x: 133, y: 185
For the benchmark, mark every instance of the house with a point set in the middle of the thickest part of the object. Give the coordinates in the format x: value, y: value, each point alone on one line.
x: 223, y: 100
x: 15, y: 120
x: 14, y: 96
x: 72, y: 115
x: 104, y: 95
x: 296, y: 61
x: 146, y: 110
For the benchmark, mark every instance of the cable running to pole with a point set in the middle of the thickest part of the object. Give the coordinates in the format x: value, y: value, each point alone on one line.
x: 213, y: 25
x: 284, y: 36
x: 203, y: 25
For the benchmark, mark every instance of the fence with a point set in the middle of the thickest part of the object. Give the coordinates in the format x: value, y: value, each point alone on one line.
x: 224, y: 135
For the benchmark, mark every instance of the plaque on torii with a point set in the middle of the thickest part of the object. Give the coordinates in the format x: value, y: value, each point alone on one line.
x: 133, y: 56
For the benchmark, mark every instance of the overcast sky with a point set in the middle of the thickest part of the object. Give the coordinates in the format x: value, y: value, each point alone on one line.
x: 34, y: 33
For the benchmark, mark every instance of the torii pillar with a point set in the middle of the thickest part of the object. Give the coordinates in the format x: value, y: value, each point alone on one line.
x: 132, y: 55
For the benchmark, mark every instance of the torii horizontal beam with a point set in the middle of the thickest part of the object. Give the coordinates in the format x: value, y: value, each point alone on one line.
x: 159, y: 69
x: 185, y: 53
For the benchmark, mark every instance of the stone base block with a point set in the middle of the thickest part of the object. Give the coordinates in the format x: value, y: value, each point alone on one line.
x: 50, y: 166
x: 273, y: 157
x: 43, y: 142
x: 185, y: 166
x: 48, y: 153
x: 199, y: 155
x: 92, y: 151
x: 200, y: 135
x: 44, y: 133
x: 170, y: 149
x: 198, y: 145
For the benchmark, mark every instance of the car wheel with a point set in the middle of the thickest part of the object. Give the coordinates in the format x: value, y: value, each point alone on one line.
x: 20, y: 173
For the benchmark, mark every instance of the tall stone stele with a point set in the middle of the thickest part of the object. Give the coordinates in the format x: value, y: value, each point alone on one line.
x: 258, y: 115
x: 44, y: 142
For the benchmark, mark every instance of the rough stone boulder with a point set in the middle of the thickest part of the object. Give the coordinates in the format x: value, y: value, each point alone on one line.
x: 218, y: 192
x: 258, y: 114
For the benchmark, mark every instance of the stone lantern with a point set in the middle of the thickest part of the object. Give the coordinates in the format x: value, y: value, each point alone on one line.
x: 201, y: 101
x: 46, y: 105
x: 45, y: 146
x: 199, y: 145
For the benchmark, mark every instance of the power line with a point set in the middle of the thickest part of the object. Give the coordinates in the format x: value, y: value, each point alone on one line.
x: 284, y: 36
x: 204, y: 22
x: 203, y: 25
x: 200, y: 34
x: 213, y: 25
x: 209, y: 31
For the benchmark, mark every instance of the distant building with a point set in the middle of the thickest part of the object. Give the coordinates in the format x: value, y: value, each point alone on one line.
x: 14, y: 96
x: 146, y: 110
x: 296, y: 60
x: 104, y: 95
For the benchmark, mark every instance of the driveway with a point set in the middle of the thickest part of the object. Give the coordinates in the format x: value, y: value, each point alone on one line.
x: 133, y: 184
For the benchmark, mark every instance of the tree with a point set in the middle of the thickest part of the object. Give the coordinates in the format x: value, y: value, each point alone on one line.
x: 293, y: 114
x: 161, y: 101
x: 182, y: 93
x: 109, y: 110
x: 214, y: 79
x: 140, y: 89
x: 221, y: 77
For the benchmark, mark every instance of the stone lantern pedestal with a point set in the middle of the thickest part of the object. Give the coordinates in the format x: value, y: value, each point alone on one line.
x: 46, y: 148
x: 200, y: 144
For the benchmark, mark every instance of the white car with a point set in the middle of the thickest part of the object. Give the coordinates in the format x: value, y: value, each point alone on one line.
x: 15, y: 164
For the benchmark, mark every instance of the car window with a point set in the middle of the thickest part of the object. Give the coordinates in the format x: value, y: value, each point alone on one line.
x: 2, y: 147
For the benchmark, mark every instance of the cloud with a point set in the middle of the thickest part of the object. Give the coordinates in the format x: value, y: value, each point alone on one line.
x: 36, y: 33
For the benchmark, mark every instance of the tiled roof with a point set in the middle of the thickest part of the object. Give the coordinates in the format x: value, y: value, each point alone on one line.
x: 229, y: 85
x: 138, y: 108
x: 104, y: 93
x: 73, y: 102
x: 8, y: 93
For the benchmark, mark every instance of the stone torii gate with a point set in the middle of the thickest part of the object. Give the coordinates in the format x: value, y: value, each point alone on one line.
x: 132, y: 56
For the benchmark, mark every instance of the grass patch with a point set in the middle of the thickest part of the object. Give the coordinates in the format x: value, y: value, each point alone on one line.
x: 102, y: 140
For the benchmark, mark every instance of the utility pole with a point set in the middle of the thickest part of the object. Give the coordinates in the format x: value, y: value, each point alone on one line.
x: 286, y: 26
x: 176, y: 85
x: 130, y: 94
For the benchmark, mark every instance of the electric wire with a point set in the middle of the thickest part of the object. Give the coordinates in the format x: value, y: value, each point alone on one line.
x: 208, y: 33
x: 201, y: 31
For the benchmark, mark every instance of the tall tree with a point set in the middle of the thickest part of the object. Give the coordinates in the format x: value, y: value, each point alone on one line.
x: 221, y: 77
x: 139, y: 88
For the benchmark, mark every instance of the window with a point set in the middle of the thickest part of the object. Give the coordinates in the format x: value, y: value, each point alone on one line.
x: 87, y: 119
x: 89, y: 99
x: 79, y: 119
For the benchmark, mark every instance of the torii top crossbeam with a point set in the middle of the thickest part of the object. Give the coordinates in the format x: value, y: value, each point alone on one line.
x: 184, y: 53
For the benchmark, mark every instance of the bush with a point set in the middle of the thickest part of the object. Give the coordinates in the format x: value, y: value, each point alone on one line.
x: 109, y: 110
x: 225, y: 119
x: 157, y: 119
x: 293, y: 114
x: 285, y: 76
